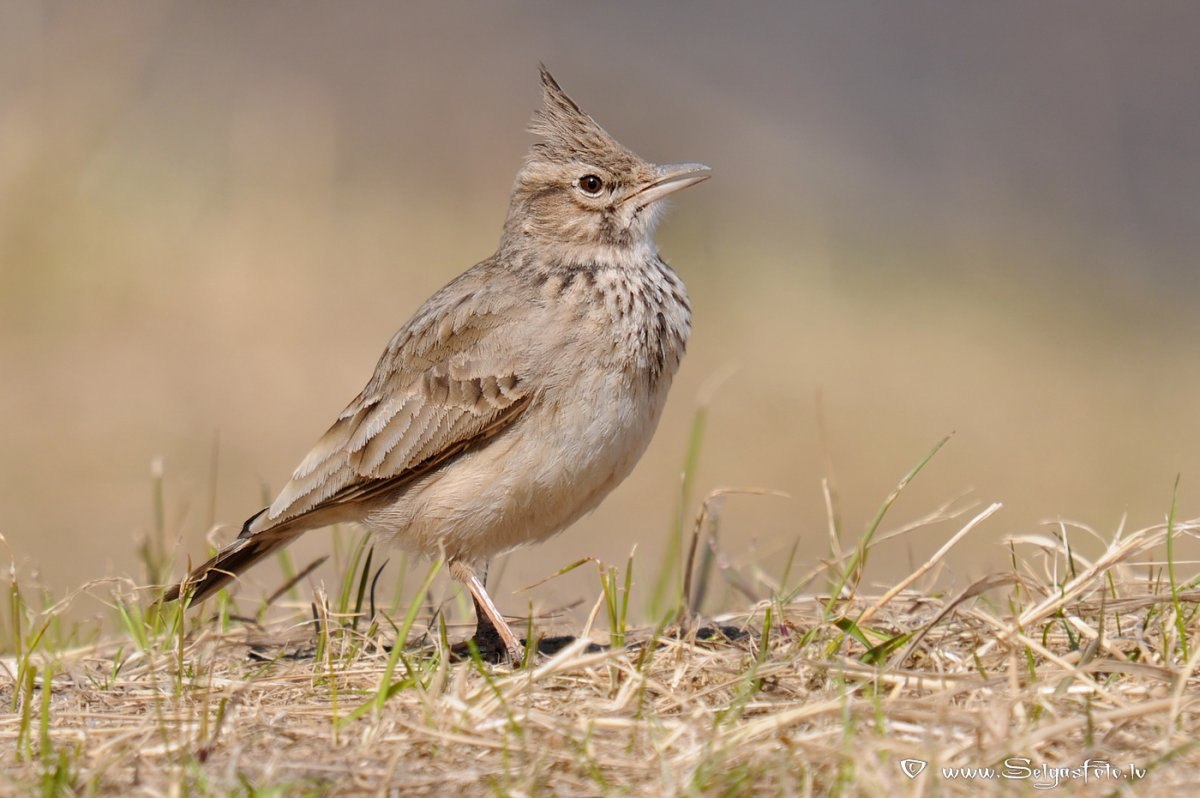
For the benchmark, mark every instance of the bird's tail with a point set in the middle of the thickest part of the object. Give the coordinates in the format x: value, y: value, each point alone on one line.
x: 232, y: 560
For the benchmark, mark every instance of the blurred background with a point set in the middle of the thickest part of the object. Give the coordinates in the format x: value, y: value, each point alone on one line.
x: 926, y: 218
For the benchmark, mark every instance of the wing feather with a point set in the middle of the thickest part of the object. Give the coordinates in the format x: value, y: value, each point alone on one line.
x: 451, y: 427
x: 393, y: 436
x: 448, y: 381
x: 373, y: 422
x: 406, y: 451
x: 333, y: 440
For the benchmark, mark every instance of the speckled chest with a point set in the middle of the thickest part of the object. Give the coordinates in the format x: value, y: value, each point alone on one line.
x: 630, y: 319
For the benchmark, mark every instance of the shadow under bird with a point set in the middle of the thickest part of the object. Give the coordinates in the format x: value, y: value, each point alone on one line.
x: 520, y: 394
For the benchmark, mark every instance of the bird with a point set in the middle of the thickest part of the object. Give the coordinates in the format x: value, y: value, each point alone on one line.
x: 517, y: 396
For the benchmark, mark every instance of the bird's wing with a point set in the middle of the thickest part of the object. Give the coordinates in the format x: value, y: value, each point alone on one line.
x: 449, y: 380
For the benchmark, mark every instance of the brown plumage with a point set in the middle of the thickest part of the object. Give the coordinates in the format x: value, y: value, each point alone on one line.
x: 518, y: 395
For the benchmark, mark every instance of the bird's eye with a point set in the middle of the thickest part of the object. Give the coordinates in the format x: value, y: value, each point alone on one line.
x: 591, y: 185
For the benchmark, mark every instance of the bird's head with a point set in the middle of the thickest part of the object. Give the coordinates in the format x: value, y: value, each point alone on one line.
x: 581, y: 194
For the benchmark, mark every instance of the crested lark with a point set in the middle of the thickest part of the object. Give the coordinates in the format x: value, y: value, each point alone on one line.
x: 520, y: 394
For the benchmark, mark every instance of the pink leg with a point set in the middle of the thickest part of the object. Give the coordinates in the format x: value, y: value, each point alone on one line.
x: 491, y: 630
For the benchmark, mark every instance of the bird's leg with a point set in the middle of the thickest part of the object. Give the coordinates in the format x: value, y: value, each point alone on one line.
x: 487, y: 637
x: 492, y: 632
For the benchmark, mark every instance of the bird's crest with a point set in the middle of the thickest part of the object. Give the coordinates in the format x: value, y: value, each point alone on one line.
x: 566, y: 131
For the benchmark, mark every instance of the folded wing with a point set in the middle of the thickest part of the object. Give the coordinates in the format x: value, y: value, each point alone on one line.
x: 448, y: 381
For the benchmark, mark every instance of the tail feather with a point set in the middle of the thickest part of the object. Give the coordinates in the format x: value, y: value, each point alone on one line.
x: 247, y: 549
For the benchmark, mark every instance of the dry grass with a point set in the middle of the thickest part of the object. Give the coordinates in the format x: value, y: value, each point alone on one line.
x: 1055, y: 660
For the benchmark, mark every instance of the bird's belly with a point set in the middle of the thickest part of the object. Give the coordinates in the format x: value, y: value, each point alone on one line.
x: 569, y: 449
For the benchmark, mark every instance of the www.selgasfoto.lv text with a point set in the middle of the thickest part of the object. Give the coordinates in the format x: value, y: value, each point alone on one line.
x: 1047, y: 776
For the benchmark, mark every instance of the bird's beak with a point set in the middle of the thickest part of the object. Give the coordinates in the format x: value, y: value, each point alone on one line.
x: 671, y: 178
